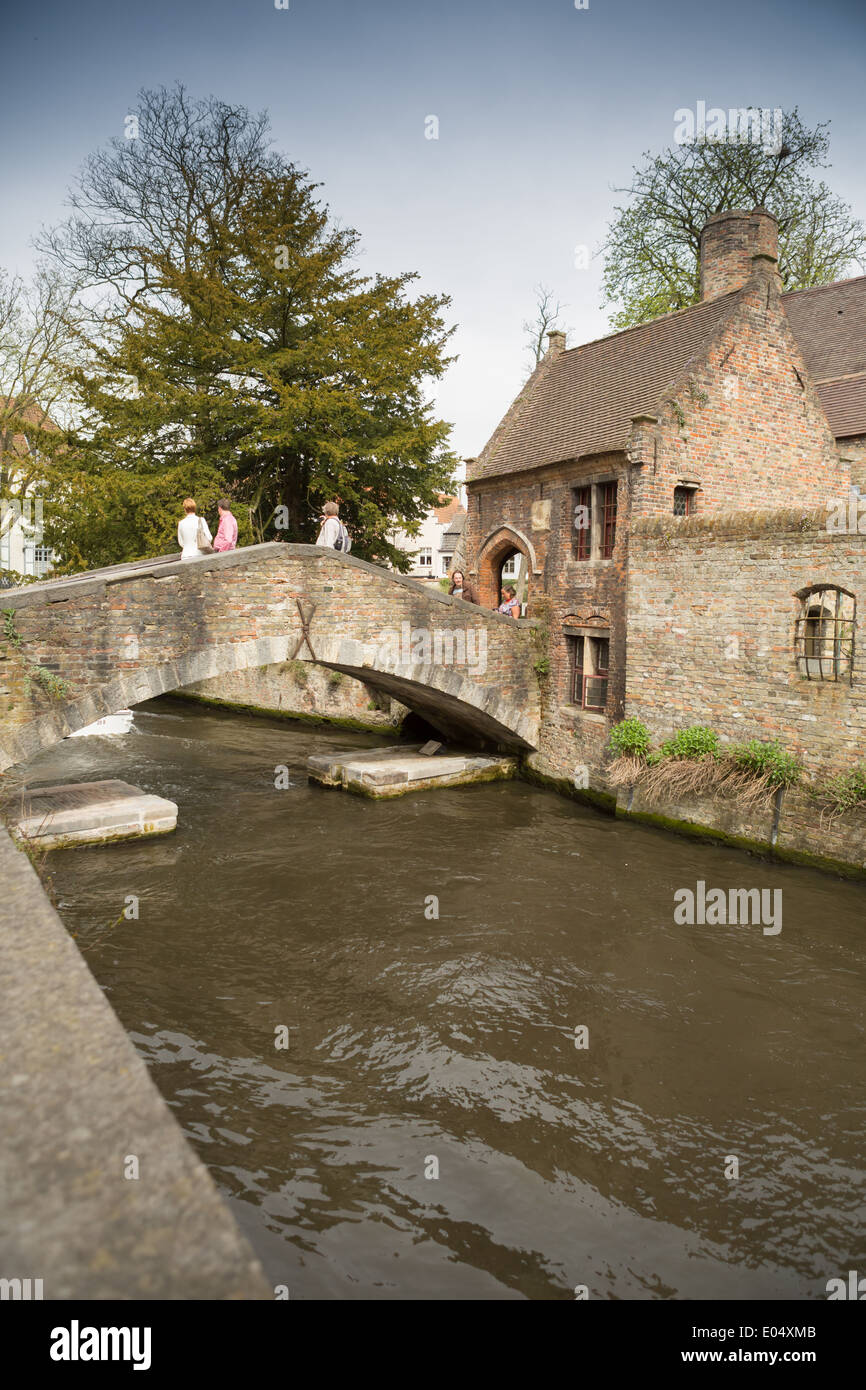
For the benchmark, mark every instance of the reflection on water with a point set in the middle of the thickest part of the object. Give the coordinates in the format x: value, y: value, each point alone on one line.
x: 415, y: 1038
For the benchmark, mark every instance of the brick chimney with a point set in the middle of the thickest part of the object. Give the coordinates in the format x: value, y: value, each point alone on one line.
x: 555, y: 341
x: 733, y: 244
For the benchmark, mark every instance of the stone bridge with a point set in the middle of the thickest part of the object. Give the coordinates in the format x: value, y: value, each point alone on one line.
x: 72, y: 650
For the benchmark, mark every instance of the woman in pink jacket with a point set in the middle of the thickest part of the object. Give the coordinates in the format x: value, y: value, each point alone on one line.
x: 227, y: 533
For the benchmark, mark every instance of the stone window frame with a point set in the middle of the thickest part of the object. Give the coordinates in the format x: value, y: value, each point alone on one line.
x: 590, y: 639
x: 833, y: 660
x: 596, y: 486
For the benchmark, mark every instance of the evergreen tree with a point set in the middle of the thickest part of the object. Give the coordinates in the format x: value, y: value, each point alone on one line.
x: 234, y: 346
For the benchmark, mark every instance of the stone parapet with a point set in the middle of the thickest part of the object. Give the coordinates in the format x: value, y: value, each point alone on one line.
x: 78, y: 1107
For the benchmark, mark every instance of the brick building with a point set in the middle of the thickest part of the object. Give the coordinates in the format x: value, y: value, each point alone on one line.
x: 616, y: 473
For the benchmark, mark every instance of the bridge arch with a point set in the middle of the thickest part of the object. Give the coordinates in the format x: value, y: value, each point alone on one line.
x: 121, y: 636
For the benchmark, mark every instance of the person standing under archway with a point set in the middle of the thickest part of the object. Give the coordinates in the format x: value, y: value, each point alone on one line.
x: 509, y: 605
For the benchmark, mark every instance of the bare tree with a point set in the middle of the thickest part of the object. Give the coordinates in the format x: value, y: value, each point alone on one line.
x: 547, y: 312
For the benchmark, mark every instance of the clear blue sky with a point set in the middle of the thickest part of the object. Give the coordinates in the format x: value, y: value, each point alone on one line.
x: 542, y: 109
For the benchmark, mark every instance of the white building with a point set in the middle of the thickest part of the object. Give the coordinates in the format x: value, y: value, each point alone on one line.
x: 22, y: 551
x: 433, y: 548
x: 21, y: 548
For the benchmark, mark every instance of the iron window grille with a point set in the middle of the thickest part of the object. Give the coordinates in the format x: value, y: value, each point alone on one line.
x: 824, y: 634
x: 589, y: 672
x: 683, y: 501
x: 608, y: 519
x: 582, y: 548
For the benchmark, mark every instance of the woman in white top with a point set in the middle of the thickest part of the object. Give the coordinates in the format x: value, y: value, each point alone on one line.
x: 331, y: 526
x: 190, y: 531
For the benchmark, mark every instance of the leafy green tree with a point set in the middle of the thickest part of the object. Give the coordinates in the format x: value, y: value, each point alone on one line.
x: 651, y: 254
x: 234, y: 346
x: 36, y: 352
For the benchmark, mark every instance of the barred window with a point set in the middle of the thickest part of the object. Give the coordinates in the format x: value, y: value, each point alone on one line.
x: 582, y: 543
x: 608, y: 519
x: 824, y: 633
x: 683, y: 501
x: 589, y: 659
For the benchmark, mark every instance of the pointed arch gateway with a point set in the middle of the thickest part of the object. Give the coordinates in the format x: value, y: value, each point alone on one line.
x: 494, y: 552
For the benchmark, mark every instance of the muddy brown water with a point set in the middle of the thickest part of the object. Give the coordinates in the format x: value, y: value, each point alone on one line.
x: 423, y: 1045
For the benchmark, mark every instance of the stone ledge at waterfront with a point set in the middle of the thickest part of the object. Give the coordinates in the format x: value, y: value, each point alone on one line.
x: 80, y: 1113
x: 91, y: 813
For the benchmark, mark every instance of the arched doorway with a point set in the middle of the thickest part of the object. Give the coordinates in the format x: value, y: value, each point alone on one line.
x: 506, y: 557
x: 514, y: 570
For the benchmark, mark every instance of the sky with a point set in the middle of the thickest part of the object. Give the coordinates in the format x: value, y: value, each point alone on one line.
x: 542, y: 111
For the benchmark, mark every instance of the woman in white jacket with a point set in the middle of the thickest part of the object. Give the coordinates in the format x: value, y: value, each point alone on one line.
x: 193, y: 533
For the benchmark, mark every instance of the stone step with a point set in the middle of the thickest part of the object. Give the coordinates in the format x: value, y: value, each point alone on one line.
x: 91, y: 813
x: 400, y: 768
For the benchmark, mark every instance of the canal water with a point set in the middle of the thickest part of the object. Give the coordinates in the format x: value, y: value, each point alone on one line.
x: 433, y: 1130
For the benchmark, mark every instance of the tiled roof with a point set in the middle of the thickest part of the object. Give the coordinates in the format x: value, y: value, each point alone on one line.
x: 455, y: 530
x: 31, y: 414
x: 447, y: 508
x: 844, y: 402
x: 583, y: 400
x: 829, y: 324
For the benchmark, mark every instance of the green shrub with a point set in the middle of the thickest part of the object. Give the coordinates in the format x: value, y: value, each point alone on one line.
x: 10, y: 631
x: 846, y: 790
x: 696, y: 742
x: 630, y: 739
x: 769, y: 760
x: 53, y: 685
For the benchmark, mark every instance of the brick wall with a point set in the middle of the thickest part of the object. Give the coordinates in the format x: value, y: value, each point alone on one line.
x: 304, y: 689
x: 745, y: 423
x: 711, y: 637
x: 534, y: 512
x: 855, y: 450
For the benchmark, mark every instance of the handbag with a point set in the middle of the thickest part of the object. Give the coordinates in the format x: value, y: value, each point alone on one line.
x: 204, y: 546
